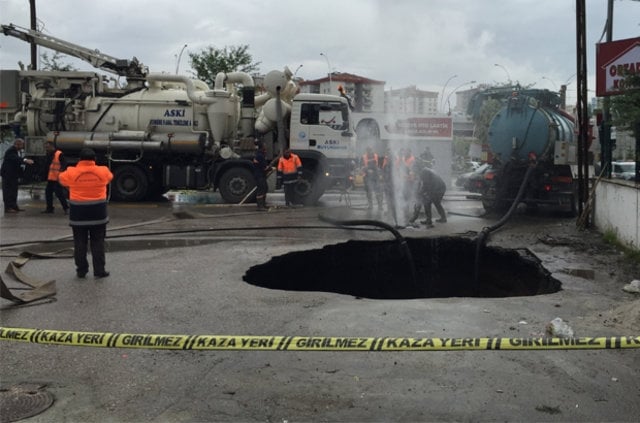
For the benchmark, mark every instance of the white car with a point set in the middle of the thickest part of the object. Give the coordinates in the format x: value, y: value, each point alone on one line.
x: 623, y: 170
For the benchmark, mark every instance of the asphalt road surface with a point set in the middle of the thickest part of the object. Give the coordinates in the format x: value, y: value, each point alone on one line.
x: 178, y: 269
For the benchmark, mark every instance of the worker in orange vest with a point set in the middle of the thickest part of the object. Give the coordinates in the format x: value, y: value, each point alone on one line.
x: 371, y: 175
x: 289, y: 172
x: 56, y: 164
x: 88, y: 217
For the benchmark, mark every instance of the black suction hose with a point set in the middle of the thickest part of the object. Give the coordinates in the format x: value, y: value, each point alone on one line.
x: 402, y: 242
x: 484, y: 234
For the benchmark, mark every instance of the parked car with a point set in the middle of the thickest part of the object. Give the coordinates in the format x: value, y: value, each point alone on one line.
x: 472, y: 181
x: 623, y: 170
x: 474, y: 165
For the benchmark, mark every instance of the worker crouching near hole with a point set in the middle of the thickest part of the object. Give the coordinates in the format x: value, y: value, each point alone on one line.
x: 289, y: 173
x: 431, y: 189
x: 87, y: 184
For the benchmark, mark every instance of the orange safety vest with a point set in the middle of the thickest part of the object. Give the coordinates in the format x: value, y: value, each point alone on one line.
x: 408, y: 161
x: 290, y: 165
x: 54, y: 167
x: 366, y: 158
x: 87, y: 182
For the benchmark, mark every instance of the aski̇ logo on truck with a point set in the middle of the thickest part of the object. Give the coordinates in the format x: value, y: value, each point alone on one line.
x: 169, y: 118
x: 174, y: 113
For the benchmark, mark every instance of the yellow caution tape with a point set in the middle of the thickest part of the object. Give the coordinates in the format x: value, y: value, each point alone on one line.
x: 307, y: 343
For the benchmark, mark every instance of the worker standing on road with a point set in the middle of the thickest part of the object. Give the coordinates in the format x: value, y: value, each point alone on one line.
x: 11, y: 172
x: 427, y: 158
x: 261, y: 169
x: 56, y: 164
x: 289, y: 172
x: 370, y: 167
x: 388, y: 168
x: 431, y: 191
x: 409, y: 181
x: 88, y: 217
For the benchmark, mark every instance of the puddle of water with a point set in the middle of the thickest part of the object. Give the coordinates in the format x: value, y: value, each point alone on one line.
x: 194, y: 197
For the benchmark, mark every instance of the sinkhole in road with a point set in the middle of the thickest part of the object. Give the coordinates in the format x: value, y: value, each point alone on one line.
x: 444, y: 267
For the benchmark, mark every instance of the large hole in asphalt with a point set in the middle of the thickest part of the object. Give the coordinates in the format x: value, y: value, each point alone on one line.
x: 444, y: 267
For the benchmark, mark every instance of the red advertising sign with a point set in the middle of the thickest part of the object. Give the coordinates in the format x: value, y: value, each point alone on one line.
x: 613, y: 61
x: 422, y: 127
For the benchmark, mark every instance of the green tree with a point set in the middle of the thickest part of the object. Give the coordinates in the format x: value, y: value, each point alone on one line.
x: 482, y: 121
x: 625, y: 107
x: 54, y: 62
x: 208, y: 62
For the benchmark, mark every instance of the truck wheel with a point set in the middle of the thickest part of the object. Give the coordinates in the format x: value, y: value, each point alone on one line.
x: 129, y: 184
x: 309, y: 189
x: 235, y: 184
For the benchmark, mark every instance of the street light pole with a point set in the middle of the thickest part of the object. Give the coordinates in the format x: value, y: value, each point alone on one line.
x: 296, y: 72
x: 505, y: 71
x: 34, y: 26
x: 456, y: 89
x: 180, y: 57
x: 443, y: 88
x: 329, y: 66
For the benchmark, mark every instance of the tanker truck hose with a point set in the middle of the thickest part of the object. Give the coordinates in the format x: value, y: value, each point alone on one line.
x: 482, y: 237
x: 109, y: 106
x: 11, y: 245
x: 402, y: 242
x: 106, y: 110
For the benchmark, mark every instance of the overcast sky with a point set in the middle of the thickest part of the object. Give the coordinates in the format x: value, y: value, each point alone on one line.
x: 401, y: 42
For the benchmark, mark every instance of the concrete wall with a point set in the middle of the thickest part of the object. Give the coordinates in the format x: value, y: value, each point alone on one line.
x: 617, y: 207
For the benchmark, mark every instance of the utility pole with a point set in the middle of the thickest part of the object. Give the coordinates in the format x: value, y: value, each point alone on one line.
x: 34, y: 26
x: 583, y: 109
x: 605, y: 127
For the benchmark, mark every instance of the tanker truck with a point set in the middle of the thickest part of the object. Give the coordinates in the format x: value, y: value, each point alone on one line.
x: 158, y: 131
x: 529, y: 131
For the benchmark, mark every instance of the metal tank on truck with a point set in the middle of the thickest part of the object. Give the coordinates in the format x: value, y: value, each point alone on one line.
x: 159, y: 131
x: 532, y: 147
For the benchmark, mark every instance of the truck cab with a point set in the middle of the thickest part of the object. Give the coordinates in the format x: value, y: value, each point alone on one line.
x: 320, y: 133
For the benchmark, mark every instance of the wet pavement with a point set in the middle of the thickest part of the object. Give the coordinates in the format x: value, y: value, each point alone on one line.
x: 179, y: 268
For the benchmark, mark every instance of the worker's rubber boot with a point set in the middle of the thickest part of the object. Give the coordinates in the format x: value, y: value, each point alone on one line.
x: 262, y: 204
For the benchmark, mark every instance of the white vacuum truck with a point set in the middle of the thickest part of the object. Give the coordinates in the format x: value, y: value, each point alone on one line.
x: 159, y: 131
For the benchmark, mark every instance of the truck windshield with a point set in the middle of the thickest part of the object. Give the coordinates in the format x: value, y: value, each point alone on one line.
x: 334, y: 115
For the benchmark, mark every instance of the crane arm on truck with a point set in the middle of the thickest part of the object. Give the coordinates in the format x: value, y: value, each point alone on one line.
x: 122, y: 67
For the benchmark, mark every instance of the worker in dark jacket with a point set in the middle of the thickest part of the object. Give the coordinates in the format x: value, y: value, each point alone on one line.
x: 87, y: 184
x: 55, y: 164
x: 261, y: 169
x: 289, y: 172
x: 11, y: 172
x: 431, y: 190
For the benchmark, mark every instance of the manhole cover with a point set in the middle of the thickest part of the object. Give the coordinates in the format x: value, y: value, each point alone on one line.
x: 23, y: 400
x: 442, y: 267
